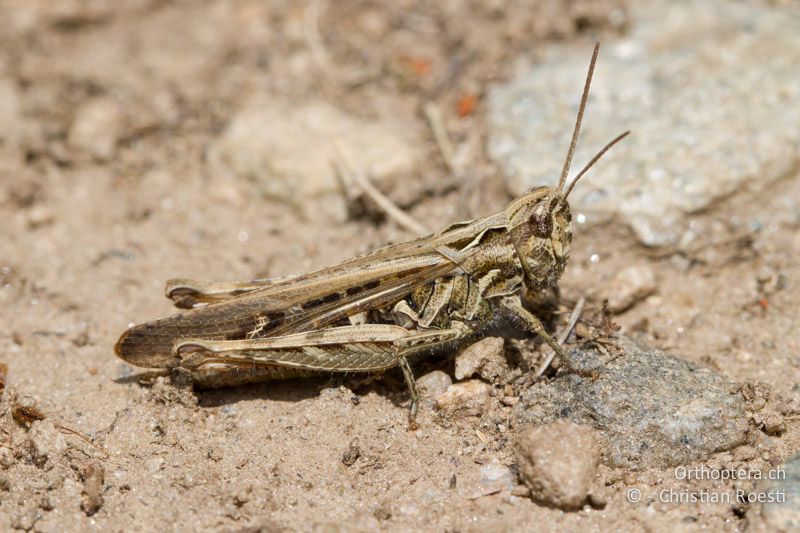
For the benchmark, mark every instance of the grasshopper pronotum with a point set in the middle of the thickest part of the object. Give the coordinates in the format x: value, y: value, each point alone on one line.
x: 372, y: 312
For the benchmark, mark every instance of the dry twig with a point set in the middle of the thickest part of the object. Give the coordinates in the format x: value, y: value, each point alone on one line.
x: 573, y: 319
x: 434, y: 116
x: 351, y: 177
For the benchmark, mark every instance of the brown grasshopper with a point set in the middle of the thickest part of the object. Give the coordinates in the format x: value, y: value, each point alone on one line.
x: 372, y: 312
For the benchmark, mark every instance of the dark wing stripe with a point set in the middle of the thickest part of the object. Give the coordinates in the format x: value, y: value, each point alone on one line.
x: 376, y: 298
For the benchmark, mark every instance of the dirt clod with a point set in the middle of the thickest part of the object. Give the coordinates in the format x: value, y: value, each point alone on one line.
x: 774, y: 424
x: 351, y: 454
x: 558, y: 462
x: 92, y: 494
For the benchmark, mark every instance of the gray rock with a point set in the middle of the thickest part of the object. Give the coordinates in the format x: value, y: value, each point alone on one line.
x: 653, y: 410
x: 558, y: 462
x: 484, y: 358
x: 709, y: 88
x: 782, y: 513
x: 290, y: 149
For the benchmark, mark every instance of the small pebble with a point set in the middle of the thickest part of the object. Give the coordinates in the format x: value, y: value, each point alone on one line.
x: 497, y: 475
x: 521, y: 491
x: 434, y: 383
x: 485, y: 358
x: 242, y: 494
x: 351, y: 454
x: 97, y: 128
x: 92, y: 495
x: 46, y: 503
x: 7, y: 458
x: 598, y: 501
x: 40, y: 216
x: 509, y: 400
x: 469, y: 398
x: 774, y: 424
x: 81, y: 338
x: 46, y: 441
x: 558, y: 462
x: 745, y: 453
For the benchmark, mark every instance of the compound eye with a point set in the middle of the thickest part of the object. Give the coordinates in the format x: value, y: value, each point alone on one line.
x: 541, y: 224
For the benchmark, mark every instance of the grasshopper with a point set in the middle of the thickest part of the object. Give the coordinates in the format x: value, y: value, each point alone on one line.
x: 374, y: 311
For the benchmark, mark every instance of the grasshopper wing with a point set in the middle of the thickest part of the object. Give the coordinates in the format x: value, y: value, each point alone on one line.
x: 306, y: 302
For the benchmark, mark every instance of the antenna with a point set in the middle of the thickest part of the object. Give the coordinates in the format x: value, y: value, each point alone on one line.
x: 564, y: 171
x: 617, y: 139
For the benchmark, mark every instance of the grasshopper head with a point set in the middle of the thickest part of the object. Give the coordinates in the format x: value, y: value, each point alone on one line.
x: 541, y: 226
x: 541, y: 233
x: 540, y: 222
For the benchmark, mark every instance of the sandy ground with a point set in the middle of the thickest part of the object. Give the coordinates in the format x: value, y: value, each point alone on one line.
x: 110, y: 120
